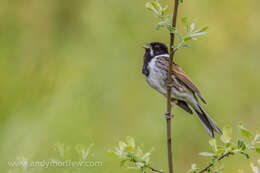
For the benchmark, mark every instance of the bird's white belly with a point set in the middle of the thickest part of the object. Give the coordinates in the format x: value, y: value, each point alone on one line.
x: 156, y: 81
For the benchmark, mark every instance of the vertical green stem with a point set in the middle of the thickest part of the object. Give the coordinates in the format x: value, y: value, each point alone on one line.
x: 169, y: 106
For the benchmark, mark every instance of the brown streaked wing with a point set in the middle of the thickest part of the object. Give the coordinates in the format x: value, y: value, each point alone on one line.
x: 181, y: 75
x: 162, y: 63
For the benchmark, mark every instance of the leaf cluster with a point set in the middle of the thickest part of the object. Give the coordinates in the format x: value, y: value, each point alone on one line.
x: 131, y: 155
x: 161, y: 13
x: 191, y: 33
x: 229, y: 146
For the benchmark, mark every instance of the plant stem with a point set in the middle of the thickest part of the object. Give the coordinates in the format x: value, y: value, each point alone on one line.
x: 212, y: 164
x: 169, y: 106
x: 155, y: 170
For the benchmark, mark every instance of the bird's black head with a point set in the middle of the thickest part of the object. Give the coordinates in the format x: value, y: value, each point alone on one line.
x: 151, y: 50
x: 156, y: 48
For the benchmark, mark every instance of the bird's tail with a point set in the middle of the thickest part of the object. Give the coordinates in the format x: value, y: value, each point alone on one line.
x: 207, y: 122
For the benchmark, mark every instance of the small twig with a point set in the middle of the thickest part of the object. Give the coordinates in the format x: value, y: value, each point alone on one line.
x: 169, y: 106
x: 155, y: 170
x: 212, y: 164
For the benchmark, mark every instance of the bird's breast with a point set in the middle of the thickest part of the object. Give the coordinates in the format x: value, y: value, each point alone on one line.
x: 156, y: 77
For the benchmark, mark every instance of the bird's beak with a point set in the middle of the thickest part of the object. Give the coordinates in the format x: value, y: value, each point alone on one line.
x: 147, y: 46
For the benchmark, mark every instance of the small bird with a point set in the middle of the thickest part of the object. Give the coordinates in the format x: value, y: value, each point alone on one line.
x: 184, y: 92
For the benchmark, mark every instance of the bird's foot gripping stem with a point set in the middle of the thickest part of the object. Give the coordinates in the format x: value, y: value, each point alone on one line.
x: 168, y: 115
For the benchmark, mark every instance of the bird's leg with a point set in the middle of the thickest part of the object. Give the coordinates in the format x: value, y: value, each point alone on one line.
x: 173, y: 84
x: 168, y: 115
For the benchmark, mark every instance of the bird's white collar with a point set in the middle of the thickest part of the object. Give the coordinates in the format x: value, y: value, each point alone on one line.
x: 167, y: 55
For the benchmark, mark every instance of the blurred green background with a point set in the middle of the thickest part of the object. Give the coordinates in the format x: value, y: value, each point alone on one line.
x: 70, y: 72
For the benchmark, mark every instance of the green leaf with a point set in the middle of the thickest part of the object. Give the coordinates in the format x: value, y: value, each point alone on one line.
x: 245, y: 154
x: 185, y: 46
x: 227, y: 145
x: 207, y: 154
x: 161, y: 24
x: 245, y: 132
x: 187, y: 38
x: 220, y: 152
x: 130, y: 141
x: 146, y: 158
x: 165, y: 10
x: 179, y: 36
x: 185, y: 22
x: 250, y: 147
x: 213, y: 144
x: 205, y: 28
x: 140, y: 164
x: 257, y: 150
x: 180, y: 1
x: 180, y: 46
x: 198, y: 34
x: 241, y: 144
x: 156, y: 5
x: 227, y: 134
x: 149, y: 6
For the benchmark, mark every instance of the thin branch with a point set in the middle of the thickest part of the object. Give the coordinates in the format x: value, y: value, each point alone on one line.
x: 155, y: 170
x: 212, y: 164
x: 169, y: 106
x: 152, y: 169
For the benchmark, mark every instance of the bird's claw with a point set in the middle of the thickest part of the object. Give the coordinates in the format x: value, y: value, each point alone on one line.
x: 168, y: 115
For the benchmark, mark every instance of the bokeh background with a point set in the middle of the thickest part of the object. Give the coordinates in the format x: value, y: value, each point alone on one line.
x: 70, y: 72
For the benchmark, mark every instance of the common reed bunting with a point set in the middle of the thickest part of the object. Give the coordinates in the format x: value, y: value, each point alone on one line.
x: 184, y: 92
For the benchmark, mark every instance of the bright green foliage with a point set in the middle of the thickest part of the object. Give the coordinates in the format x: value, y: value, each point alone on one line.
x: 245, y: 132
x: 134, y: 157
x: 228, y: 146
x: 227, y: 134
x: 165, y: 22
x: 191, y: 34
x: 161, y: 13
x: 131, y: 155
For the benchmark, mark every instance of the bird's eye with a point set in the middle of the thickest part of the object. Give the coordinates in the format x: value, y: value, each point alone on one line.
x: 156, y: 48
